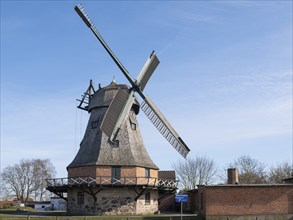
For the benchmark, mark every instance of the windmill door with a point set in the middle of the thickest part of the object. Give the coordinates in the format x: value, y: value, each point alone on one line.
x: 116, y: 175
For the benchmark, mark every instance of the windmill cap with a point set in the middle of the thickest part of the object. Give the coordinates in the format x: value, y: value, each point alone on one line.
x: 104, y: 96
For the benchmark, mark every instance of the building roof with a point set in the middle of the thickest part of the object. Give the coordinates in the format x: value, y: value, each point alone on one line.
x: 288, y: 180
x: 246, y: 185
x: 167, y: 174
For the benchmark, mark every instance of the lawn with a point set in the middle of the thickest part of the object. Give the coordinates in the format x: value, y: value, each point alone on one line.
x: 20, y: 213
x: 27, y: 215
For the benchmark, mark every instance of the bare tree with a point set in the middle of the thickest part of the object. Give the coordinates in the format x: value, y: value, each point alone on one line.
x: 27, y: 178
x: 251, y: 171
x: 280, y: 172
x: 195, y: 171
x: 13, y: 181
x: 43, y: 169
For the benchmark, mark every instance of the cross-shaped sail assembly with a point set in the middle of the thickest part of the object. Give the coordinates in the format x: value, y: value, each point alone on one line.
x: 122, y: 102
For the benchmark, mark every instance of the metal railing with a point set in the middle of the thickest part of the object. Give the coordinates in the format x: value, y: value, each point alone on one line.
x: 108, y: 181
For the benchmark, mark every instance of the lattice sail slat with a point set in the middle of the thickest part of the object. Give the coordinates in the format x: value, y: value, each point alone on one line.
x: 164, y: 127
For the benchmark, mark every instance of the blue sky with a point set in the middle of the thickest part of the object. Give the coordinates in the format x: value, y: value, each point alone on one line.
x: 224, y: 81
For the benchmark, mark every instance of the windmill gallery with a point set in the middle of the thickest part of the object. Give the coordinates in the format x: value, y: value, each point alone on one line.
x: 112, y: 172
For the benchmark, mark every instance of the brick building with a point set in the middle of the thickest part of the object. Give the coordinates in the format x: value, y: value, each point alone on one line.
x: 242, y: 201
x: 255, y: 201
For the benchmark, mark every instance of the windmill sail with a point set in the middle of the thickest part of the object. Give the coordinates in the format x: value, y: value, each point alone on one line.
x: 116, y: 113
x: 163, y: 126
x: 84, y: 16
x: 147, y: 70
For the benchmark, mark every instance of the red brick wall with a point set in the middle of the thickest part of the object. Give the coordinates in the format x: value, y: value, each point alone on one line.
x: 140, y: 172
x: 246, y: 199
x: 103, y: 171
x: 94, y: 171
x: 82, y: 171
x: 193, y: 201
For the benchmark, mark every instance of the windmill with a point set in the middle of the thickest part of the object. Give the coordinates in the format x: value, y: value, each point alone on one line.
x: 123, y: 101
x: 112, y: 172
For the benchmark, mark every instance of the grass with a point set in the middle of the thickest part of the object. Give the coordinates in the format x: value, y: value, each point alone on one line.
x: 27, y: 217
x: 9, y: 217
x: 21, y: 213
x: 18, y: 209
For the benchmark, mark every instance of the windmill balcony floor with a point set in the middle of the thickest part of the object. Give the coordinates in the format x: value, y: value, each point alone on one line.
x: 61, y: 184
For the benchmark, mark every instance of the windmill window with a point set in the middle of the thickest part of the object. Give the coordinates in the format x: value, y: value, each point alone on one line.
x: 148, y: 198
x: 115, y: 143
x: 116, y: 174
x: 147, y: 172
x: 80, y: 198
x: 132, y: 125
x: 95, y: 124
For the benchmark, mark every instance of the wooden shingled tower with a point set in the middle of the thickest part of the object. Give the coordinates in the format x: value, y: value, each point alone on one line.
x: 112, y: 172
x: 124, y: 162
x: 96, y: 149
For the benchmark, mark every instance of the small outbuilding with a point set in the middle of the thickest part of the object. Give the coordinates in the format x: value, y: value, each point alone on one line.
x: 42, y: 206
x: 235, y: 201
x: 58, y: 204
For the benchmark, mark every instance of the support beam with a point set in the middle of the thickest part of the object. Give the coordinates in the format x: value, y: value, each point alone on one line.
x: 60, y: 194
x: 166, y: 193
x: 143, y: 191
x: 139, y: 193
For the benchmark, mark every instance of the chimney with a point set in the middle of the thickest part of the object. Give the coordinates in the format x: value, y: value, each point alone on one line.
x: 232, y: 176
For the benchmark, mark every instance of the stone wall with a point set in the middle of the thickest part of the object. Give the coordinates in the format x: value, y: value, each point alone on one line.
x: 111, y: 201
x: 143, y: 208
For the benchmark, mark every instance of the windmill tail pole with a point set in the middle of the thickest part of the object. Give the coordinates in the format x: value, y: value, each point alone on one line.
x: 84, y: 16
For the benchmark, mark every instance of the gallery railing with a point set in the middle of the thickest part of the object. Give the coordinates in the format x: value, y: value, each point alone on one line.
x: 111, y: 181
